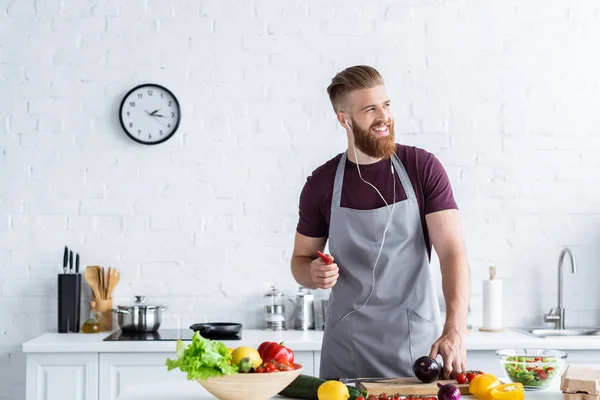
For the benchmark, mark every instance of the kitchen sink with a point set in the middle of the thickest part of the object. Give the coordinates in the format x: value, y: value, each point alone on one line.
x: 567, y: 332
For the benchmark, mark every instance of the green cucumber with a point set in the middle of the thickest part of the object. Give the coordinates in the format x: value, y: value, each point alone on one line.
x: 306, y: 387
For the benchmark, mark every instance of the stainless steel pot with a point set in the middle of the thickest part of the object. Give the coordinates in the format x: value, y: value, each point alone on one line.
x: 140, y: 317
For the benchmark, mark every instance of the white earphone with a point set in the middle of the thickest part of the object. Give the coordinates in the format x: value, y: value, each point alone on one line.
x: 384, y: 231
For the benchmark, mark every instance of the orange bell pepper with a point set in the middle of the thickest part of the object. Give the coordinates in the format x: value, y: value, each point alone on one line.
x: 482, y: 385
x: 508, y: 391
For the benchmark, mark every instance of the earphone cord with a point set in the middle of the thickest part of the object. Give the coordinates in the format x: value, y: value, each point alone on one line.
x: 384, y: 232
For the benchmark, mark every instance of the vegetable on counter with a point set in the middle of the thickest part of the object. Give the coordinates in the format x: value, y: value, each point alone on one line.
x: 384, y: 396
x: 531, y: 371
x: 333, y: 390
x: 481, y: 386
x: 426, y: 369
x: 307, y: 388
x: 273, y: 351
x: 202, y: 358
x: 448, y: 392
x: 467, y: 376
x: 509, y: 391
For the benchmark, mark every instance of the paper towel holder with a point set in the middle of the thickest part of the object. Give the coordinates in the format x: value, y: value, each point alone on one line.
x: 492, y: 273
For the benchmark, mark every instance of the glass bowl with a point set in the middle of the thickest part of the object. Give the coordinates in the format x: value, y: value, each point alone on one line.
x: 536, y: 369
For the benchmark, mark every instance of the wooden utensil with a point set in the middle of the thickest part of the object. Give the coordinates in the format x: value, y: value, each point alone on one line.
x: 406, y: 386
x: 100, y: 281
x: 113, y: 279
x: 92, y: 278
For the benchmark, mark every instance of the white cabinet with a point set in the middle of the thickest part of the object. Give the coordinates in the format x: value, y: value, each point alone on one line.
x: 59, y: 376
x: 119, y: 372
x: 306, y: 359
x: 317, y: 363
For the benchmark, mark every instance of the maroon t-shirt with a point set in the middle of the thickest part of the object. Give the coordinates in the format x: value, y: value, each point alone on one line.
x: 426, y: 173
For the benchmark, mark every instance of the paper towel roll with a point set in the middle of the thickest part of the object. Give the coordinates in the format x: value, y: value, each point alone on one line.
x: 492, y: 305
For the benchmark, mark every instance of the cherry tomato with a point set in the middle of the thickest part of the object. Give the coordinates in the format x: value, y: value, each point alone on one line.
x: 542, y: 375
x: 360, y: 398
x: 470, y: 376
x: 461, y: 378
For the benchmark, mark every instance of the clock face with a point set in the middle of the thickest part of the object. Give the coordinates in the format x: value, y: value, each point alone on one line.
x: 149, y: 114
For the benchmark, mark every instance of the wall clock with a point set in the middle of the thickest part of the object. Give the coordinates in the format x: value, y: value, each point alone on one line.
x: 150, y: 114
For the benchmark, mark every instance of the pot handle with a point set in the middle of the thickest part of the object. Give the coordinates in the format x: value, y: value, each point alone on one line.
x: 120, y: 311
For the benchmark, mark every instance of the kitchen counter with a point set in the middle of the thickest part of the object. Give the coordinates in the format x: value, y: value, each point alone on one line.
x: 297, y: 340
x: 73, y: 366
x: 191, y: 390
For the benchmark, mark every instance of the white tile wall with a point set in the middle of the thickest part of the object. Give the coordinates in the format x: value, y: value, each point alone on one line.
x: 504, y: 92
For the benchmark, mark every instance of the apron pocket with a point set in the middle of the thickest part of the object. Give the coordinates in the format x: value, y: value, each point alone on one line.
x: 422, y: 334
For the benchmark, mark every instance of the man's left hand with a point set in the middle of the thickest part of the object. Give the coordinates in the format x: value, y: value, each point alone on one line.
x: 450, y: 346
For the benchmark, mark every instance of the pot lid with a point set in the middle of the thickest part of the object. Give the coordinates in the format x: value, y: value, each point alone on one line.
x: 140, y: 303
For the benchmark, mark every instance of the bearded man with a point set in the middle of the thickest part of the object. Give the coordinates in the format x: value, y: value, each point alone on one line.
x: 381, y: 206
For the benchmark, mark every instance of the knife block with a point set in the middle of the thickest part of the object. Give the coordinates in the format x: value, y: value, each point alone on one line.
x: 69, y: 302
x: 104, y: 308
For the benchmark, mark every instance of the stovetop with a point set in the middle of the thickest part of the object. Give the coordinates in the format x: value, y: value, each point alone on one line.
x: 165, y: 335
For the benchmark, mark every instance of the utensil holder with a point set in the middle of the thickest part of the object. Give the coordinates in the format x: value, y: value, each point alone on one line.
x: 104, y: 308
x: 69, y: 300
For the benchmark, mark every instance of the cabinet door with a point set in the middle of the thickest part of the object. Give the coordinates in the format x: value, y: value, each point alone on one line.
x: 121, y: 371
x: 317, y: 363
x: 306, y: 359
x: 71, y: 376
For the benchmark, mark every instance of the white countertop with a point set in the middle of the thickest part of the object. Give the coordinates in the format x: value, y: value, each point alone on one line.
x: 297, y: 340
x: 191, y: 390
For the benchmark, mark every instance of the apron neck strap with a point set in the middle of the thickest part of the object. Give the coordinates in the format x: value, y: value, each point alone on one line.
x: 398, y: 168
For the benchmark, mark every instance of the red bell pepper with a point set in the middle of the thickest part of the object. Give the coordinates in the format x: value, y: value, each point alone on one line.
x: 273, y: 351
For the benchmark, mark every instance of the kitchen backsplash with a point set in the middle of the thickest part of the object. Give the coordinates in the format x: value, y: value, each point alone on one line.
x: 503, y: 92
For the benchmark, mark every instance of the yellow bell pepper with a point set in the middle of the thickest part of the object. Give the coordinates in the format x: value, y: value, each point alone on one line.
x: 481, y: 386
x: 509, y: 391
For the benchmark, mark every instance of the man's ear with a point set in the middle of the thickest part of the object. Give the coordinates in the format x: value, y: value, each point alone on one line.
x: 344, y: 120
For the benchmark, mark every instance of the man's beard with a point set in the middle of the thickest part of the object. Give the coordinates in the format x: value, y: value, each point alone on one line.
x: 374, y: 146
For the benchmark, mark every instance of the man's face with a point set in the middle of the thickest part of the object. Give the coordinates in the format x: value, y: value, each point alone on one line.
x: 372, y: 123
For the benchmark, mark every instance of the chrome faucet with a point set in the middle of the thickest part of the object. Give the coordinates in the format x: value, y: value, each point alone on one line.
x: 557, y: 315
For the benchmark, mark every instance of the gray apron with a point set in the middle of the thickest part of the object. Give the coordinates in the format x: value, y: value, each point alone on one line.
x: 401, y: 320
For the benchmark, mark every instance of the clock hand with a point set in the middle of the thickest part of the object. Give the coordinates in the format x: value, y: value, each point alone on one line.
x: 155, y: 111
x: 159, y: 121
x: 158, y: 115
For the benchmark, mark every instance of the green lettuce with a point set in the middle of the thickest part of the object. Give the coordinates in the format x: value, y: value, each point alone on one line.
x: 202, y: 358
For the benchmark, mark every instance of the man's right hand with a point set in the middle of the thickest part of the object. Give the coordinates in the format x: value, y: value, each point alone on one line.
x: 324, y: 276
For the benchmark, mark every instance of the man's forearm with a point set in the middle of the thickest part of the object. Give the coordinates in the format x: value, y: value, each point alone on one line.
x: 456, y: 285
x: 301, y: 271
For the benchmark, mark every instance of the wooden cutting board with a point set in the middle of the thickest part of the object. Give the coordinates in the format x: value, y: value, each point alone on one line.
x: 404, y: 386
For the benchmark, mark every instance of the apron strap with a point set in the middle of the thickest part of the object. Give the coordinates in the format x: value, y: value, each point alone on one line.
x: 336, y: 198
x: 404, y: 179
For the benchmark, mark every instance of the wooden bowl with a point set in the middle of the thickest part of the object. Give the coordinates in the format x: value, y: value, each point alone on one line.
x: 250, y: 386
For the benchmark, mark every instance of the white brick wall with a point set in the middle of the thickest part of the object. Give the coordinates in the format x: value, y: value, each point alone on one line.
x: 504, y: 92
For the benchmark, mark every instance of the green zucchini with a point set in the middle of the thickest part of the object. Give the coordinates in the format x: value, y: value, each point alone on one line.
x: 306, y: 387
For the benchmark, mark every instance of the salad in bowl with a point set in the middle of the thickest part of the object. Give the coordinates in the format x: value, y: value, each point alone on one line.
x: 536, y: 369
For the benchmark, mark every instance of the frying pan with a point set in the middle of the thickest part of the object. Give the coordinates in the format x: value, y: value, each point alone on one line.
x: 217, y: 330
